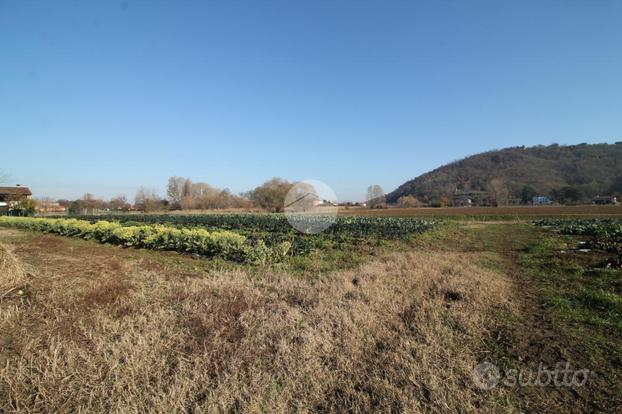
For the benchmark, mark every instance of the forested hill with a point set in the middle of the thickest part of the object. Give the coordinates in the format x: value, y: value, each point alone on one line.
x: 565, y: 173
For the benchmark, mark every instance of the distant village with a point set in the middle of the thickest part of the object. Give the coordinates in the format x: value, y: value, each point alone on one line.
x: 486, y: 199
x: 18, y: 200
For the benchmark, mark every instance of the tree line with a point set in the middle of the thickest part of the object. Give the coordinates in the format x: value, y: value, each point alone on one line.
x: 184, y: 194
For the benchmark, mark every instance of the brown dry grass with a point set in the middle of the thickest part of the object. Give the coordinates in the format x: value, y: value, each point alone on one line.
x: 112, y: 330
x: 12, y: 273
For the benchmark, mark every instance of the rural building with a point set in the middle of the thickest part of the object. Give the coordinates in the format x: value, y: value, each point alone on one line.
x: 49, y: 207
x: 541, y: 200
x: 17, y: 193
x: 462, y: 202
x: 605, y: 200
x: 10, y: 196
x: 473, y: 198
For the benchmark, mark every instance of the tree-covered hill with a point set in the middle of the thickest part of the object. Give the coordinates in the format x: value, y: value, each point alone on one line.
x: 565, y: 173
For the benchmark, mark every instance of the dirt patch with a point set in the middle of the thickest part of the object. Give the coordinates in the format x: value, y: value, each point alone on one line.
x: 452, y: 296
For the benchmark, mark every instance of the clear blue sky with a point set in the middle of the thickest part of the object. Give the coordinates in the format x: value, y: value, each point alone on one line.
x: 104, y: 96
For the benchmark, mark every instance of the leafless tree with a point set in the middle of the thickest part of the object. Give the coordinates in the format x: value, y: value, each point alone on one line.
x: 89, y: 203
x: 409, y: 201
x: 500, y: 191
x: 119, y: 203
x: 184, y: 194
x: 175, y: 190
x: 375, y: 196
x: 44, y: 204
x: 147, y: 200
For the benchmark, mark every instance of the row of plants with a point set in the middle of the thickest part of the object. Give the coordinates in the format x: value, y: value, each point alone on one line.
x: 223, y: 244
x: 601, y: 234
x: 604, y: 234
x: 343, y: 227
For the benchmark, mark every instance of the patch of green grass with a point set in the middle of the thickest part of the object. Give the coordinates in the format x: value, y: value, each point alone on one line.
x: 600, y: 300
x: 458, y: 236
x: 558, y: 302
x: 585, y: 303
x: 339, y: 257
x: 605, y: 279
x: 492, y: 262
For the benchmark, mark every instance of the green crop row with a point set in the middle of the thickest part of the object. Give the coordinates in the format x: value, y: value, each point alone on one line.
x: 605, y: 234
x: 343, y: 227
x: 224, y: 244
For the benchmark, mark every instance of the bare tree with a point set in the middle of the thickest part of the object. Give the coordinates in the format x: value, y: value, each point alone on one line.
x: 119, y: 203
x: 409, y: 201
x: 45, y: 204
x: 183, y: 194
x: 89, y: 203
x: 174, y: 191
x: 147, y: 200
x: 500, y: 191
x: 206, y: 196
x: 186, y: 190
x: 375, y: 196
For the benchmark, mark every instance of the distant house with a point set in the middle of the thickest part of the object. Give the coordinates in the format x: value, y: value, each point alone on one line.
x: 541, y: 200
x: 10, y: 196
x: 17, y: 193
x: 462, y: 202
x: 473, y: 198
x: 605, y: 200
x: 49, y: 207
x: 324, y: 203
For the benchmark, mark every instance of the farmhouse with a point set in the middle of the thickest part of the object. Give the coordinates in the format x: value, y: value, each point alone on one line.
x: 541, y: 200
x: 324, y: 203
x: 10, y: 196
x: 473, y: 198
x: 605, y: 200
x: 462, y: 202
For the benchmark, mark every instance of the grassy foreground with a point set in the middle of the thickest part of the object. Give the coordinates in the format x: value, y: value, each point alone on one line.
x: 86, y: 327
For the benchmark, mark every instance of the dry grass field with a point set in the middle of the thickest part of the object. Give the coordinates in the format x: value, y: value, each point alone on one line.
x: 86, y: 327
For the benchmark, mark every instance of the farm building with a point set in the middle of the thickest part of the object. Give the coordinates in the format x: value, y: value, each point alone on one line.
x: 605, y: 200
x: 473, y: 198
x: 541, y: 201
x: 10, y: 196
x: 462, y: 202
x: 17, y: 193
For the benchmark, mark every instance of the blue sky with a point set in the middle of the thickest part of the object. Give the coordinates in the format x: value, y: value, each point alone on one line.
x: 104, y: 96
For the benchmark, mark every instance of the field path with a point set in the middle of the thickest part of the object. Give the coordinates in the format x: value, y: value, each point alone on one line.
x: 534, y: 338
